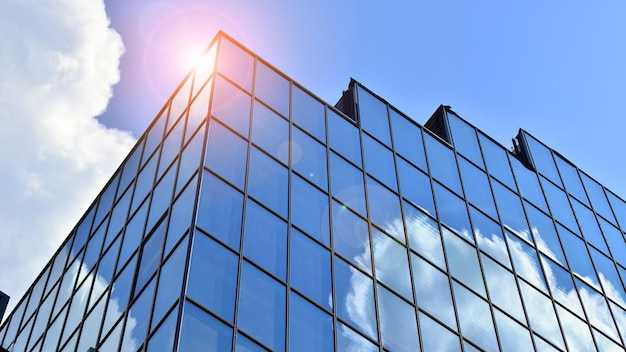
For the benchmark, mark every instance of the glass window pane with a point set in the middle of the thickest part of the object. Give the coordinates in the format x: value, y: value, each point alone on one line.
x: 503, y: 289
x: 489, y: 237
x: 262, y: 311
x: 477, y: 189
x: 542, y: 158
x: 619, y: 208
x: 179, y: 102
x: 231, y: 165
x: 244, y: 344
x: 310, y: 269
x: 510, y: 209
x: 475, y: 318
x: 559, y: 205
x: 137, y: 323
x: 379, y: 162
x: 347, y: 184
x: 170, y: 283
x: 355, y: 298
x: 213, y: 276
x: 427, y: 280
x: 384, y: 207
x: 513, y: 336
x: 351, y: 237
x: 308, y: 113
x: 571, y: 180
x: 265, y: 239
x: 267, y: 182
x: 562, y: 285
x: 408, y: 139
x: 525, y: 261
x: 272, y: 88
x: 171, y: 147
x: 415, y: 187
x: 465, y: 140
x: 198, y: 110
x: 344, y: 138
x: 435, y: 337
x: 392, y: 264
x: 615, y: 240
x: 205, y: 67
x: 463, y: 262
x: 150, y: 256
x: 235, y: 63
x: 598, y: 199
x: 589, y: 228
x: 397, y: 322
x: 220, y: 210
x: 232, y: 106
x: 308, y: 158
x: 424, y: 236
x: 350, y: 341
x: 163, y: 338
x: 190, y: 160
x: 203, y: 332
x: 442, y: 163
x: 578, y: 257
x: 270, y: 132
x: 497, y: 161
x: 529, y: 184
x: 373, y: 116
x: 453, y: 211
x: 544, y: 233
x: 310, y: 329
x: 541, y: 314
x: 181, y: 214
x: 309, y: 209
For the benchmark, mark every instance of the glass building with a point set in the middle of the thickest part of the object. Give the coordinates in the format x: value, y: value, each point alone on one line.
x: 252, y: 216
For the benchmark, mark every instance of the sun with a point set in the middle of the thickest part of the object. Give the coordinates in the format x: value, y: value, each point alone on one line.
x: 192, y: 57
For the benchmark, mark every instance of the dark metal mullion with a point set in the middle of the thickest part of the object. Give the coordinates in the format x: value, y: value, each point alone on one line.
x: 244, y: 208
x: 445, y: 253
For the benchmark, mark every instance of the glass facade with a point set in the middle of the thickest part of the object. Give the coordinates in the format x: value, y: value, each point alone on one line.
x: 252, y: 216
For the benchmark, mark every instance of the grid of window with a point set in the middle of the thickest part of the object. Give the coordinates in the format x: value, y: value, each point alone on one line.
x: 251, y: 216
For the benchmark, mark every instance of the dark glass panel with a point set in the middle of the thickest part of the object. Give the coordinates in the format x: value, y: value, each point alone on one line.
x: 118, y: 218
x: 344, y: 138
x: 161, y: 197
x: 497, y: 161
x: 144, y: 183
x: 270, y: 132
x: 230, y: 165
x: 309, y: 210
x: 351, y: 237
x: 262, y: 311
x: 415, y: 187
x: 308, y: 158
x: 308, y: 113
x: 213, y: 276
x: 379, y: 162
x: 244, y: 344
x: 465, y: 139
x: 220, y: 210
x: 272, y: 88
x: 442, y: 163
x: 163, y: 338
x: 130, y: 166
x: 373, y: 116
x: 347, y: 184
x: 232, y: 106
x: 150, y: 255
x: 310, y: 269
x: 310, y: 329
x: 392, y: 264
x: 202, y: 332
x: 398, y: 323
x: 355, y: 298
x: 267, y: 182
x: 105, y: 202
x: 235, y: 63
x: 408, y: 139
x: 477, y: 189
x: 427, y: 280
x: 265, y: 239
x: 133, y: 234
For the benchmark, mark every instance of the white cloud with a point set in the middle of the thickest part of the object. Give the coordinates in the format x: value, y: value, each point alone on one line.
x: 58, y: 62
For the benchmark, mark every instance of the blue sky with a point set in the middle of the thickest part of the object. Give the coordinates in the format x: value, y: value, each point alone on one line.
x: 555, y: 69
x: 76, y: 90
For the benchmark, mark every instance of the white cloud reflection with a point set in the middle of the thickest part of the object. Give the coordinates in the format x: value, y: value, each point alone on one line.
x: 474, y: 314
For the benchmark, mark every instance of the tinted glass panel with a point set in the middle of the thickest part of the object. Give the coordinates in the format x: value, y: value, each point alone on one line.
x: 542, y: 157
x: 268, y: 182
x: 465, y: 140
x: 310, y: 329
x: 272, y: 88
x: 379, y: 162
x: 415, y: 186
x: 310, y: 269
x: 270, y: 132
x: 408, y: 140
x: 351, y: 237
x: 475, y: 318
x: 392, y: 264
x: 424, y: 236
x: 344, y: 137
x: 476, y: 185
x: 308, y: 113
x: 231, y: 165
x: 308, y: 158
x: 235, y: 63
x: 309, y: 209
x: 427, y: 279
x: 384, y: 207
x: 232, y: 106
x: 202, y: 332
x: 373, y: 116
x: 442, y: 164
x: 497, y: 161
x: 347, y: 184
x: 397, y: 322
x: 265, y: 239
